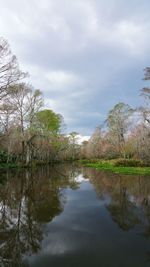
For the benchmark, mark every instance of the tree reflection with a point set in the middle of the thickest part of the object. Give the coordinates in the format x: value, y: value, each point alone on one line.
x: 128, y: 198
x: 123, y: 211
x: 28, y: 200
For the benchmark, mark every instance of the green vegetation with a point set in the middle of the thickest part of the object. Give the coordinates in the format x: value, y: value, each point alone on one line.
x: 113, y: 166
x: 9, y: 166
x: 49, y: 121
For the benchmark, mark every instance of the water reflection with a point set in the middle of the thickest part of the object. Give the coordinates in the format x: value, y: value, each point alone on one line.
x: 28, y: 200
x: 129, y: 198
x: 52, y: 215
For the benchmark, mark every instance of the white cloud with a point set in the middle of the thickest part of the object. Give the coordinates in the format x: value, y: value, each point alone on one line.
x: 82, y: 138
x: 60, y: 79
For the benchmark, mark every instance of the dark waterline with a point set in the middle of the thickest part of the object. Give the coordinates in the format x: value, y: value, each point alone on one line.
x: 73, y: 216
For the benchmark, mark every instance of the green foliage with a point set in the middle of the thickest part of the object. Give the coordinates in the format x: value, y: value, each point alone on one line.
x: 49, y: 121
x: 3, y: 157
x: 9, y: 166
x: 6, y: 159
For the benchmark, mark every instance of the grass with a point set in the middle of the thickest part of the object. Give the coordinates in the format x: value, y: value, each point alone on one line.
x: 109, y: 165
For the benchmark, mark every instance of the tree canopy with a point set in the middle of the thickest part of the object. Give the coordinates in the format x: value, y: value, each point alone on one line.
x: 49, y: 121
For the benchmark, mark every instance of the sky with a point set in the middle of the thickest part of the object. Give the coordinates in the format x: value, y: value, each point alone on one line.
x: 84, y: 55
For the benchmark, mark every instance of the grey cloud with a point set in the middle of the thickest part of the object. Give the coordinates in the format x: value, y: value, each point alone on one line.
x: 85, y: 55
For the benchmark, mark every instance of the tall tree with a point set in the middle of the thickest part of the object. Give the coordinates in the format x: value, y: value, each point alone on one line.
x: 9, y: 69
x: 74, y: 145
x: 143, y: 138
x: 35, y: 103
x: 27, y: 103
x: 118, y: 124
x: 146, y: 93
x: 49, y: 122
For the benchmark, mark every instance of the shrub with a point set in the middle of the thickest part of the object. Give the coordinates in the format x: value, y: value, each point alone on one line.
x: 3, y: 157
x: 129, y: 163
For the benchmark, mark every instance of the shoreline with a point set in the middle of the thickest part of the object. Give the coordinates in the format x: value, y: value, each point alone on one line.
x: 108, y: 165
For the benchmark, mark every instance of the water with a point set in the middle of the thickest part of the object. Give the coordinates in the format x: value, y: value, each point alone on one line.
x: 72, y: 216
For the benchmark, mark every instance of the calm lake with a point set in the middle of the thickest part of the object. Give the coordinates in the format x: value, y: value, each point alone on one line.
x: 72, y: 216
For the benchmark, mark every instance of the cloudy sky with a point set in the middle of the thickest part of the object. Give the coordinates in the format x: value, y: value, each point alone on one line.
x: 85, y: 55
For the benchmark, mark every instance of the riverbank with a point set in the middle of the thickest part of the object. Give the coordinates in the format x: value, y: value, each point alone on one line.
x: 34, y: 164
x: 110, y: 165
x: 107, y: 165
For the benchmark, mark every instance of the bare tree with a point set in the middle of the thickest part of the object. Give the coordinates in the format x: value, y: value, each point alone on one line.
x: 118, y: 124
x: 27, y: 103
x: 9, y: 69
x: 145, y: 92
x: 143, y: 138
x: 6, y: 116
x: 35, y: 102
